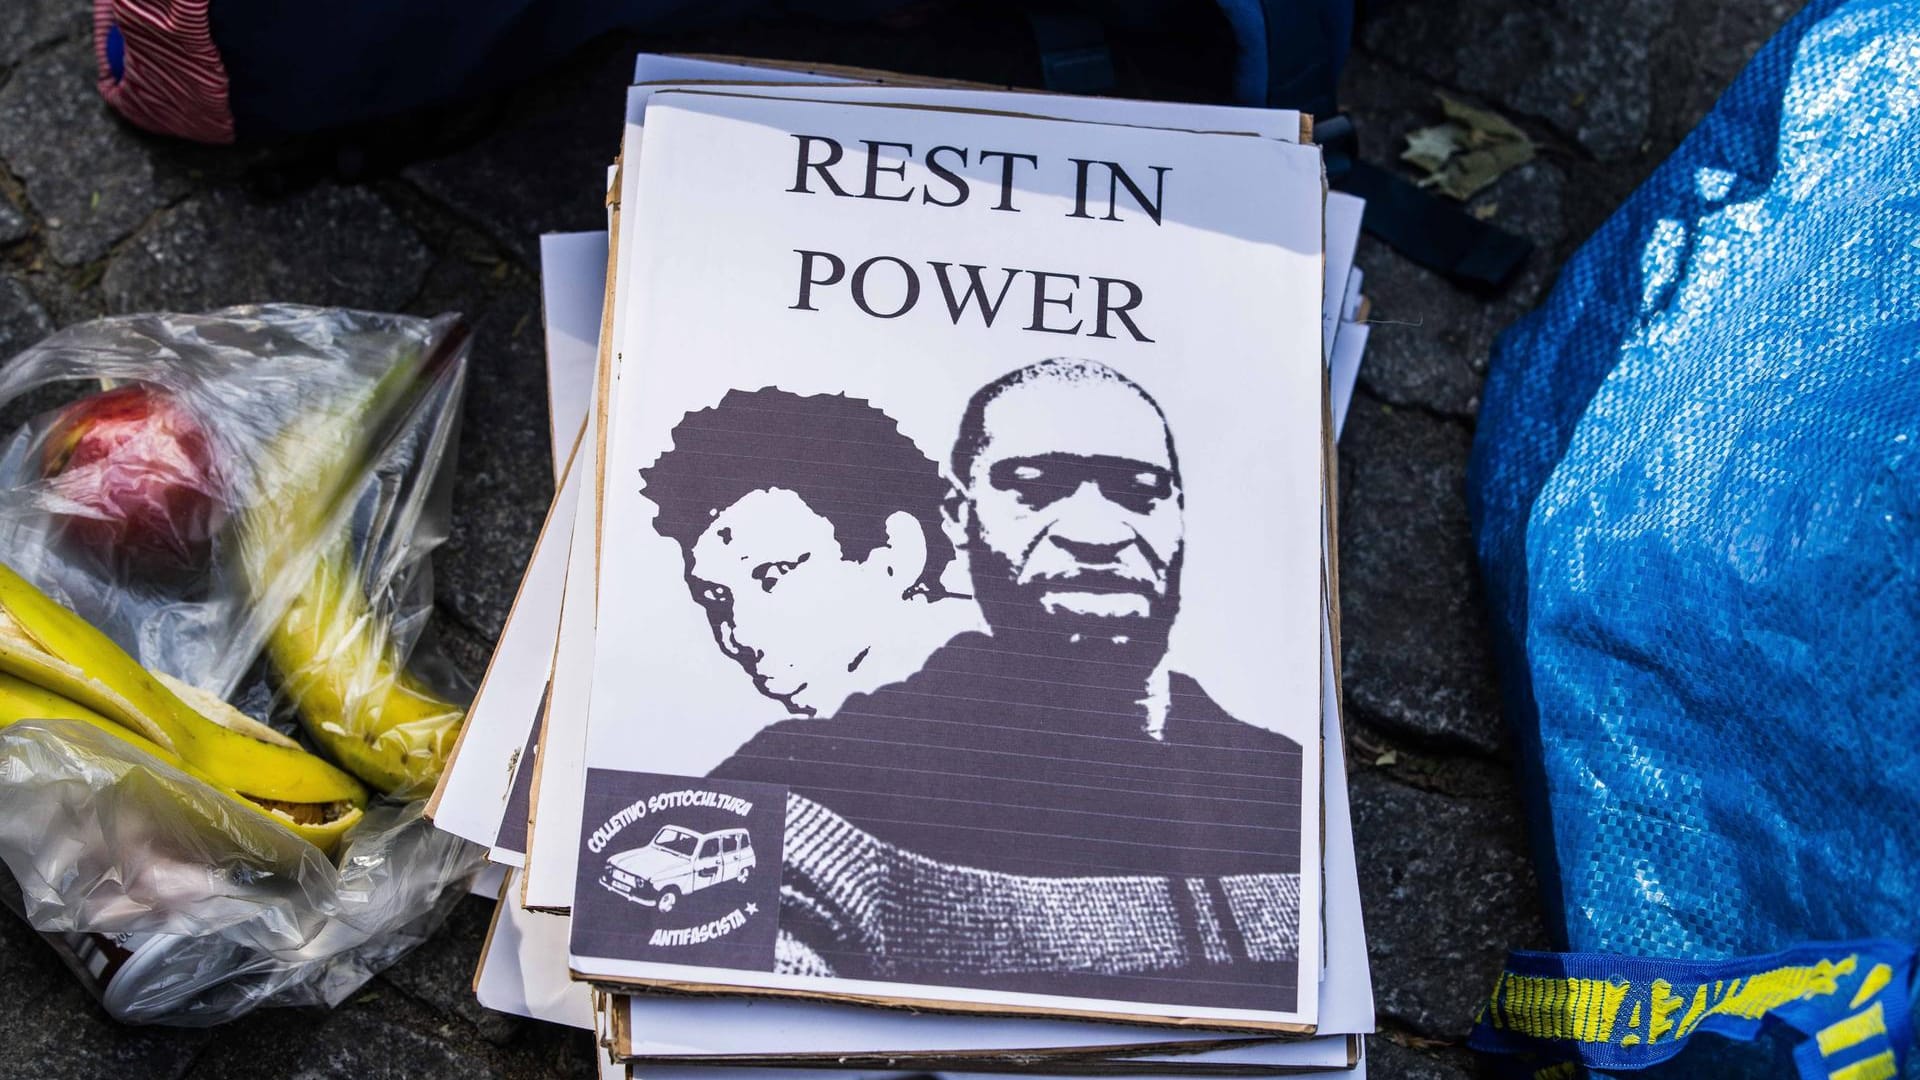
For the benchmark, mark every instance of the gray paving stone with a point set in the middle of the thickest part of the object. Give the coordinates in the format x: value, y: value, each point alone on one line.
x: 1582, y: 67
x: 376, y: 1036
x: 67, y: 298
x: 440, y: 973
x: 13, y: 224
x: 1390, y: 1060
x: 31, y: 24
x: 22, y: 320
x: 91, y: 178
x: 381, y: 1033
x: 505, y: 475
x: 1707, y: 44
x: 331, y: 246
x: 1447, y: 891
x: 23, y: 323
x: 465, y: 648
x: 52, y: 1028
x: 1530, y: 201
x: 1386, y: 103
x: 541, y: 172
x: 1412, y: 627
x: 1432, y: 339
x: 490, y: 183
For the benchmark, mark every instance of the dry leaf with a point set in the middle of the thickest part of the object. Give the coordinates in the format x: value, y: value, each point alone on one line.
x: 1429, y: 148
x: 1469, y: 152
x: 1468, y: 174
x: 1389, y: 757
x: 1486, y: 125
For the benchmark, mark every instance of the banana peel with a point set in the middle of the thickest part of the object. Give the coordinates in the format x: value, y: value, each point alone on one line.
x: 333, y: 652
x: 321, y: 825
x: 53, y: 647
x: 357, y: 702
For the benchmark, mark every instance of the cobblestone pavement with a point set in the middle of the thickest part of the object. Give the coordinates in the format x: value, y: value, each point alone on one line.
x: 427, y: 217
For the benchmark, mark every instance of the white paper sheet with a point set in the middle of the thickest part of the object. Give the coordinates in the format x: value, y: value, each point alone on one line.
x: 550, y: 870
x: 553, y: 839
x: 522, y: 972
x: 713, y: 1073
x: 511, y: 972
x: 553, y: 833
x: 1344, y: 212
x: 742, y: 1027
x: 655, y: 658
x: 472, y: 793
x: 662, y: 1026
x: 573, y: 268
x: 574, y: 275
x: 530, y: 697
x: 550, y: 882
x: 488, y: 881
x: 1346, y: 987
x: 1348, y: 351
x: 1358, y: 1072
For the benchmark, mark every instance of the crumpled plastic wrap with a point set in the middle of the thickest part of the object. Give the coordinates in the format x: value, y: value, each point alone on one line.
x: 245, y: 375
x: 219, y: 911
x: 305, y: 446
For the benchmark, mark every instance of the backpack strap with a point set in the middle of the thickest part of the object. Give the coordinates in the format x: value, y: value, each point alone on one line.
x: 1437, y: 235
x: 1074, y: 55
x: 1842, y: 1005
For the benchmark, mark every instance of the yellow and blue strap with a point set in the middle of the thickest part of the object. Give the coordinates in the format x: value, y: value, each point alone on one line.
x: 1845, y: 1004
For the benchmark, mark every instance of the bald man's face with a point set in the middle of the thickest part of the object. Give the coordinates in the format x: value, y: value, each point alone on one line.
x: 1075, y: 508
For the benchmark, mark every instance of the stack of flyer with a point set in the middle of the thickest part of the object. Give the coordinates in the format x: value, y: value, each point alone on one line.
x: 928, y: 663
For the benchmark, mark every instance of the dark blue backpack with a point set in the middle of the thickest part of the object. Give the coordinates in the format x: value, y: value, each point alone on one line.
x: 214, y: 71
x: 219, y: 70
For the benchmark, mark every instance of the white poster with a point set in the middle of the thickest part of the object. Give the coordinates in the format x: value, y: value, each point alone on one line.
x: 958, y: 633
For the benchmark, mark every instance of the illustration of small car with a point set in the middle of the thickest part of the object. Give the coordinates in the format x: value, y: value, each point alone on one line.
x: 679, y: 861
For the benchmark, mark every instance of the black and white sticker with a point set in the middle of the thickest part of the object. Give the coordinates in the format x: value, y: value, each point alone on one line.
x: 680, y: 869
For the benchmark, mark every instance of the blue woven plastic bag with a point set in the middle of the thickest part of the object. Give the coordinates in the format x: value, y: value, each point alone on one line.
x: 1696, y: 496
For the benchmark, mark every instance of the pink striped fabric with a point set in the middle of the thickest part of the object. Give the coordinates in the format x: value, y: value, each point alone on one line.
x: 172, y: 81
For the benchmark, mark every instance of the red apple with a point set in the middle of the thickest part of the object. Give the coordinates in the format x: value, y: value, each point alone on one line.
x: 132, y: 470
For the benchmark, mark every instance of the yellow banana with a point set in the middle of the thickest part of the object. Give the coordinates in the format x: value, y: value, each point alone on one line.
x: 357, y: 702
x: 22, y: 700
x: 21, y: 657
x: 50, y: 646
x: 333, y: 652
x: 319, y: 825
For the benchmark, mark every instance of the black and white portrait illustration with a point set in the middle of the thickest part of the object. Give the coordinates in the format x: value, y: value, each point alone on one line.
x: 787, y: 507
x: 967, y: 553
x: 1018, y: 792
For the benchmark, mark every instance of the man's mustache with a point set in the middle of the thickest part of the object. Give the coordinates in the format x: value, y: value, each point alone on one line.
x: 1096, y: 581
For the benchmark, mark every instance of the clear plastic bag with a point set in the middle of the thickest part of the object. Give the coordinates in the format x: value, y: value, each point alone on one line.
x: 242, y: 377
x: 247, y: 508
x: 216, y: 911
